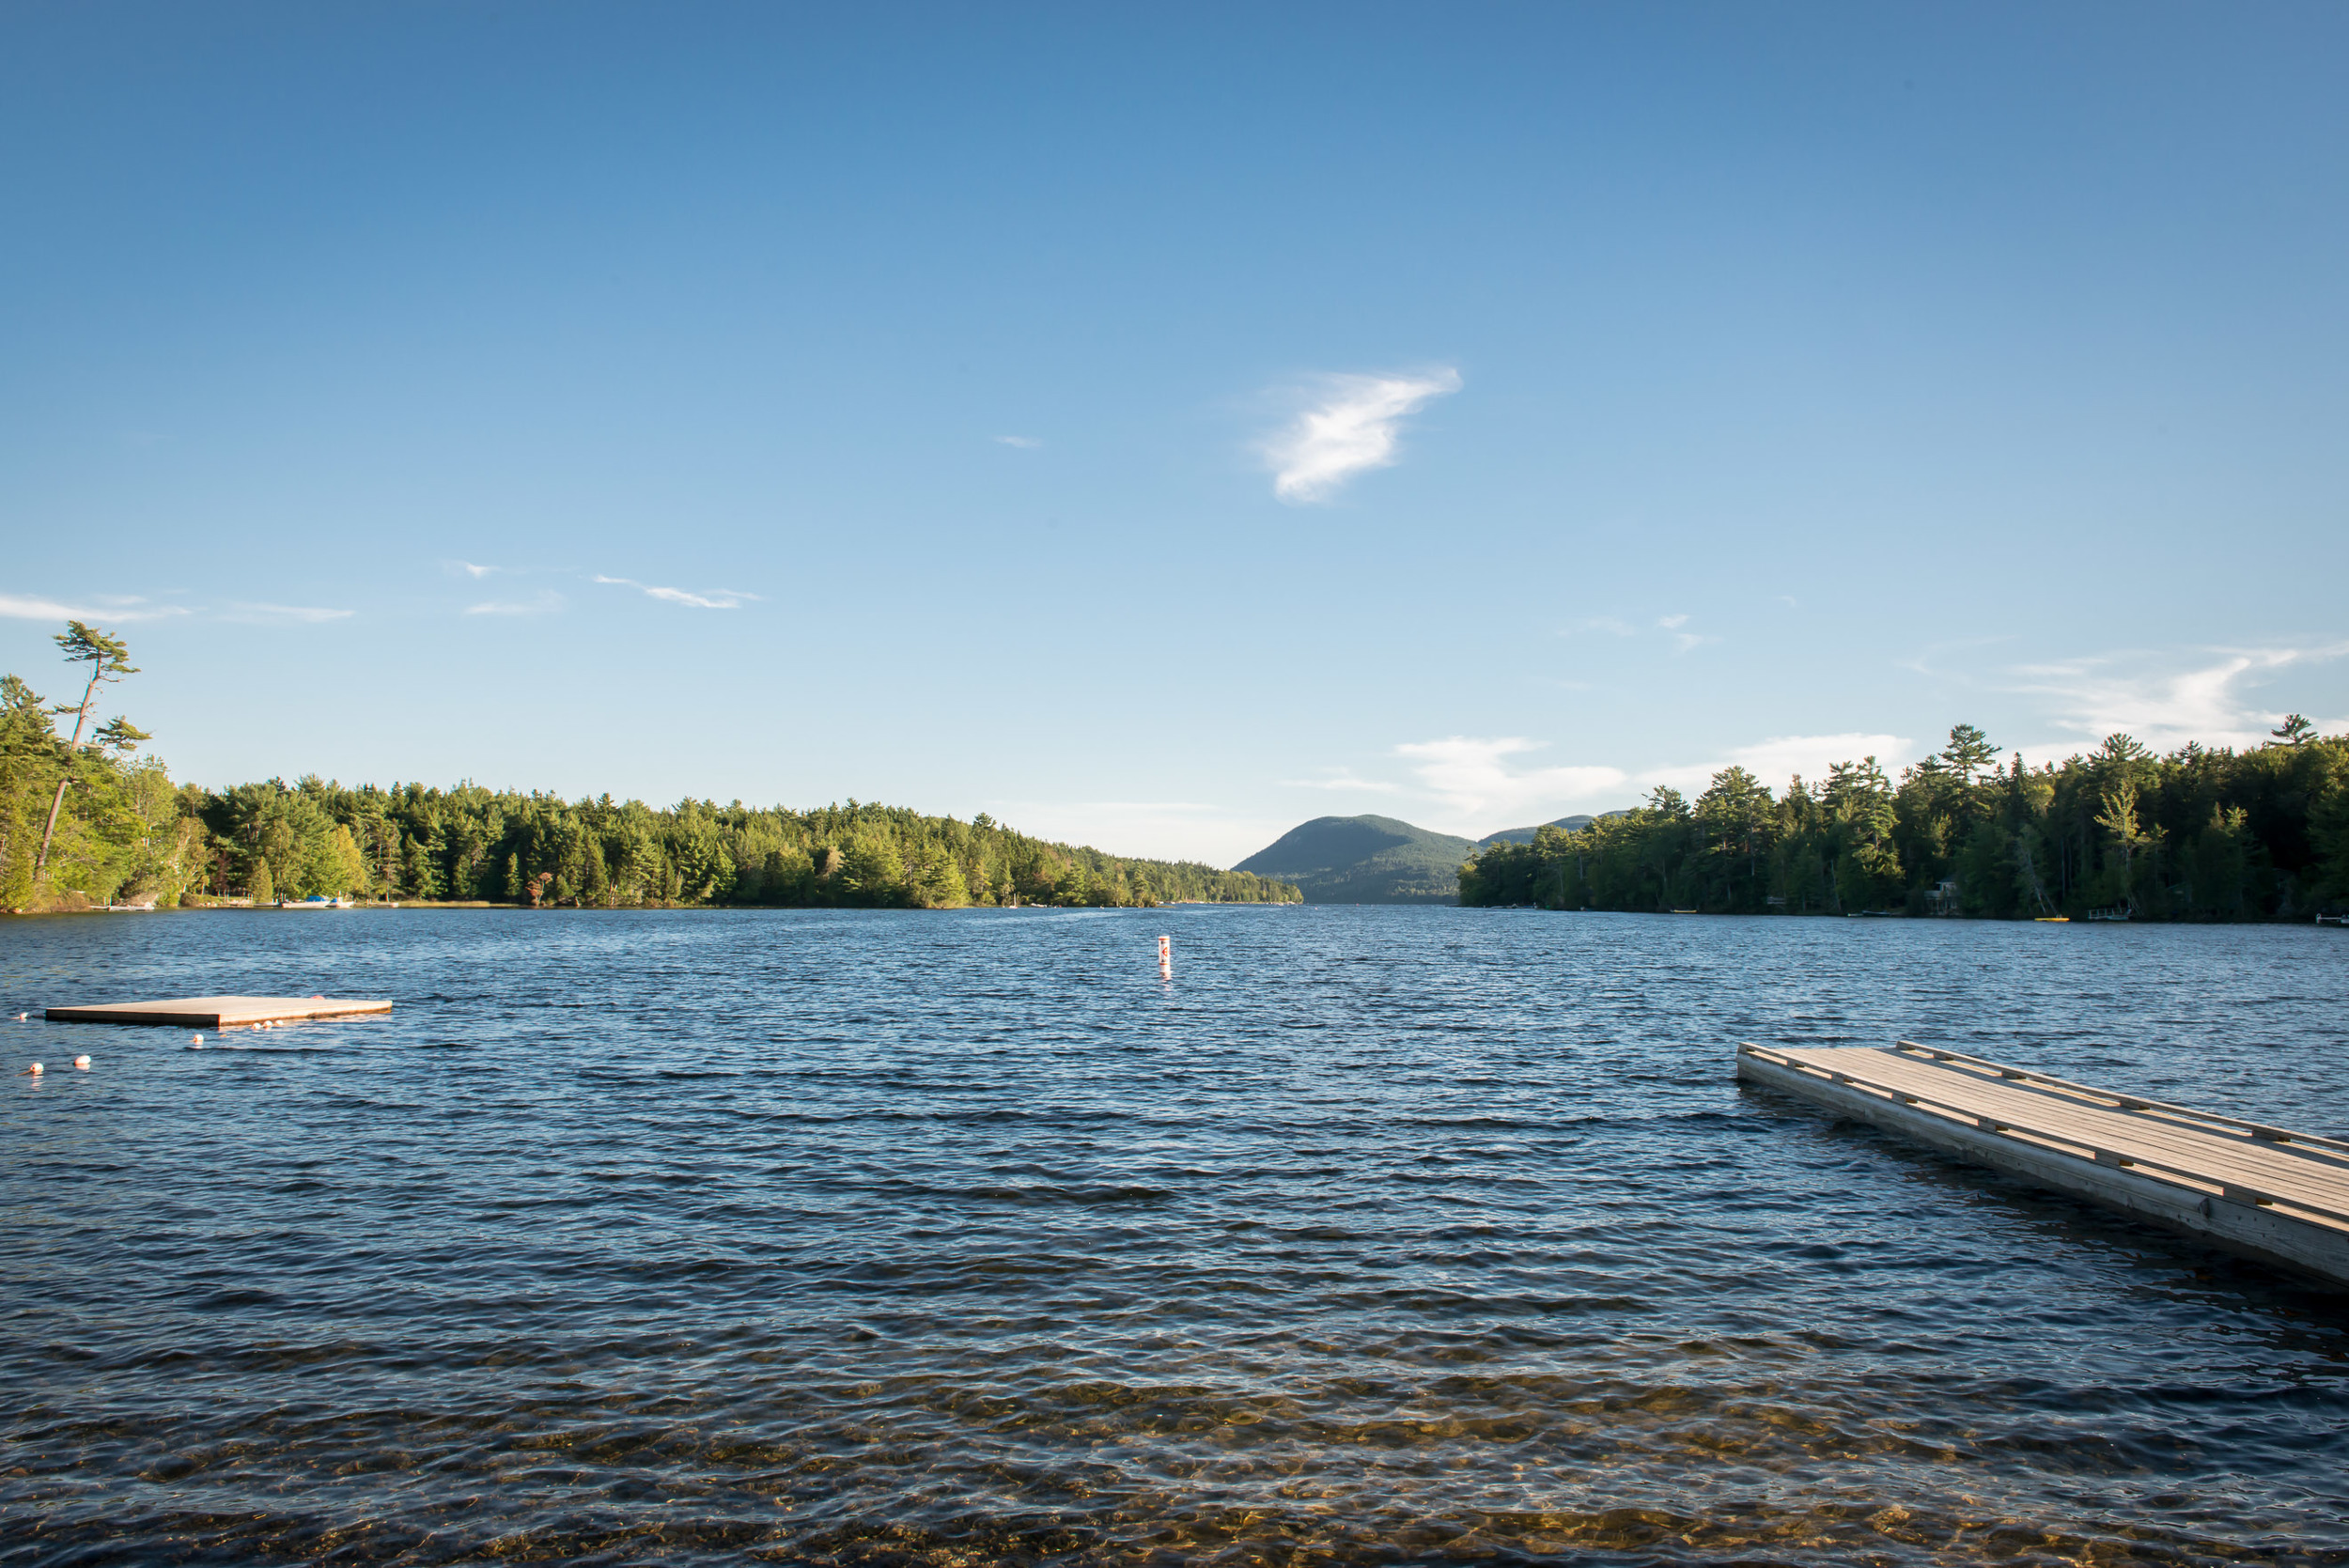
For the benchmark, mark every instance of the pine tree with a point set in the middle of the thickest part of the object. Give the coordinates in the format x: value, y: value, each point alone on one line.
x: 106, y: 656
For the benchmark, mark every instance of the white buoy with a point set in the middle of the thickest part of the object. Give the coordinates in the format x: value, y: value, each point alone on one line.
x: 34, y: 1069
x: 1166, y: 957
x: 81, y: 1063
x: 196, y: 1039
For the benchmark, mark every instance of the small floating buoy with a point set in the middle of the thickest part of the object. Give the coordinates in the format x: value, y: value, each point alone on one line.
x: 34, y: 1069
x: 196, y: 1039
x: 20, y: 1018
x: 1166, y: 957
x: 81, y: 1063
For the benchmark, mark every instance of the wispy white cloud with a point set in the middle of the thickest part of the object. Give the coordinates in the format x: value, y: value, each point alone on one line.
x: 1472, y: 785
x: 1933, y: 658
x: 268, y: 615
x: 1780, y: 757
x: 1024, y: 443
x: 1343, y: 779
x: 1615, y: 626
x: 1683, y: 641
x: 544, y: 603
x: 715, y: 599
x: 1608, y: 623
x: 102, y: 607
x: 466, y: 568
x: 1349, y: 425
x: 2166, y: 707
x: 1167, y: 830
x: 1475, y: 780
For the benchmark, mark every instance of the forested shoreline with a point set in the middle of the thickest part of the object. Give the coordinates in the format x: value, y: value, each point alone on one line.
x: 85, y: 820
x: 2198, y: 834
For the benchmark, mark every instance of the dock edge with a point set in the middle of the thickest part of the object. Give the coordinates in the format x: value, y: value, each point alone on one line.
x: 2244, y: 1229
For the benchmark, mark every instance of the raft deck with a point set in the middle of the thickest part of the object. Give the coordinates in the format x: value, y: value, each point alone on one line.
x: 217, y: 1012
x: 2262, y: 1191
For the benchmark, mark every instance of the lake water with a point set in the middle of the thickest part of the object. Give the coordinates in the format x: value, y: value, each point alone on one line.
x: 1375, y: 1235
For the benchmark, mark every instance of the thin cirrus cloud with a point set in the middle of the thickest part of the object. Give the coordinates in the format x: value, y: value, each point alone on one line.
x: 1785, y: 757
x: 467, y: 568
x: 1683, y: 640
x: 715, y: 599
x: 1475, y: 784
x: 103, y: 607
x: 1609, y: 624
x: 546, y: 601
x: 1675, y: 626
x: 1349, y: 425
x: 1175, y: 829
x: 2117, y: 694
x: 1343, y: 779
x: 1026, y: 444
x: 284, y: 614
x: 1476, y: 779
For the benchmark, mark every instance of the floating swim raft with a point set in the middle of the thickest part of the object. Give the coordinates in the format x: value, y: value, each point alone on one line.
x: 217, y: 1012
x: 2262, y: 1191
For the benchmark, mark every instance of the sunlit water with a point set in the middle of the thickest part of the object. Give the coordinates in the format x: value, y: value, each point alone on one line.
x: 1375, y: 1235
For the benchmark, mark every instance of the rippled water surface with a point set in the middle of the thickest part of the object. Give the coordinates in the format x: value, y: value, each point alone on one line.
x: 1375, y: 1235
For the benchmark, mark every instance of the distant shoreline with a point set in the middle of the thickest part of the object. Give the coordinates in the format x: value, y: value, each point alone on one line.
x: 248, y: 907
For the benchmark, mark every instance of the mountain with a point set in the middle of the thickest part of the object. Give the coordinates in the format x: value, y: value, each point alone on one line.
x: 1525, y: 835
x: 1365, y: 859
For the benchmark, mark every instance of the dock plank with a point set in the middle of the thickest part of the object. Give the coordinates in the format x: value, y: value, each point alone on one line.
x: 2132, y: 1137
x: 2125, y: 1102
x: 2139, y: 1136
x: 218, y: 1011
x: 2267, y: 1191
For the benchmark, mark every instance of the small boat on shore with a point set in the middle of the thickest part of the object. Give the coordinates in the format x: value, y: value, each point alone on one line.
x: 316, y: 901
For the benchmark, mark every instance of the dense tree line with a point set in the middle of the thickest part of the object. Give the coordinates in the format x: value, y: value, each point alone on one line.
x: 2200, y: 833
x: 84, y: 819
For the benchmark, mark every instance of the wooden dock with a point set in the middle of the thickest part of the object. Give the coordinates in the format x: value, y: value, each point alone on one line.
x: 2267, y: 1193
x: 217, y: 1012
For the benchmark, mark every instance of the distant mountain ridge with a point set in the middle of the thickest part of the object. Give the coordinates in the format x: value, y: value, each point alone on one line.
x: 1365, y: 860
x: 1380, y: 860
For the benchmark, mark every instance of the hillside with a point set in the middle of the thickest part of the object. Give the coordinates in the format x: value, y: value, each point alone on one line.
x: 1365, y: 859
x: 1525, y: 835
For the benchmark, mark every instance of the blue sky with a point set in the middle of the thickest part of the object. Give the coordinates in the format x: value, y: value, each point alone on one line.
x: 1160, y: 428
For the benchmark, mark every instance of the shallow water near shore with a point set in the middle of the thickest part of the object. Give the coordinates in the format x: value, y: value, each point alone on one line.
x: 1375, y: 1235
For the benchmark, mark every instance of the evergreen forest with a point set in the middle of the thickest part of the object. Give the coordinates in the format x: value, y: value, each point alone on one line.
x: 87, y: 820
x: 2198, y: 834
